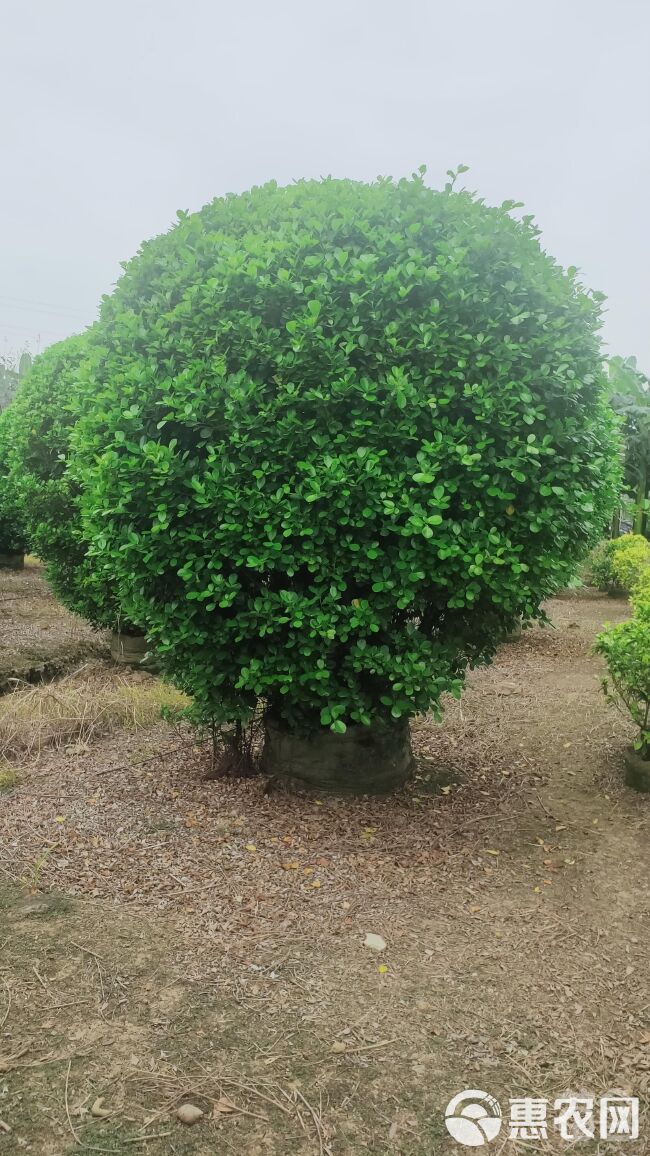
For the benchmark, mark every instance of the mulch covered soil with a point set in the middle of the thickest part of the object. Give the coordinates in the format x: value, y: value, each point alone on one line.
x: 173, y: 939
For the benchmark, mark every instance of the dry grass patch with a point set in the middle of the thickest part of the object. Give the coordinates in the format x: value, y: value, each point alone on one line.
x: 8, y: 778
x: 89, y: 703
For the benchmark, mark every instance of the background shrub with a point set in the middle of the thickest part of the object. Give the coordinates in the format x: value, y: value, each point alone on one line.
x: 630, y: 556
x: 598, y: 568
x: 13, y: 538
x: 338, y: 438
x: 626, y: 649
x: 43, y: 414
x: 641, y: 592
x: 618, y: 563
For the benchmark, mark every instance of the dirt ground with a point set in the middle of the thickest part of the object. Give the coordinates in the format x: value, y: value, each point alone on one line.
x: 166, y: 939
x: 38, y: 637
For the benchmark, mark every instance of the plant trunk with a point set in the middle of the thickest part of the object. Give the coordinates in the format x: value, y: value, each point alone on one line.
x: 129, y: 649
x: 364, y: 761
x: 12, y: 561
x: 515, y: 634
x: 640, y: 497
x: 637, y: 770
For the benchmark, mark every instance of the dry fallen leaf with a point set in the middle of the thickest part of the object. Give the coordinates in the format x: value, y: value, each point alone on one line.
x: 222, y: 1108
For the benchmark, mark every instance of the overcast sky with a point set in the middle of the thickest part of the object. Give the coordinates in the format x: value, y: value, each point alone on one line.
x: 115, y: 114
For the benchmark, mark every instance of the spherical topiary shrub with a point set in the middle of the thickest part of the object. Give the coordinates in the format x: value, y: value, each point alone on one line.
x: 339, y: 438
x: 44, y: 412
x: 13, y: 538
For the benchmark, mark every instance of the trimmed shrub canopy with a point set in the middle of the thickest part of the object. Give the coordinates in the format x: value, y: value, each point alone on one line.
x: 338, y: 438
x: 44, y: 412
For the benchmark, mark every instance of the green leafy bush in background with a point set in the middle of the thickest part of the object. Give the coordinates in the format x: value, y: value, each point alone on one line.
x: 13, y: 537
x: 44, y: 412
x: 338, y: 438
x: 616, y: 565
x: 597, y: 569
x: 630, y: 560
x: 626, y: 649
x: 641, y: 591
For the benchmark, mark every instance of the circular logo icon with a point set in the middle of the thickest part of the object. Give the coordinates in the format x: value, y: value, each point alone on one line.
x: 473, y: 1118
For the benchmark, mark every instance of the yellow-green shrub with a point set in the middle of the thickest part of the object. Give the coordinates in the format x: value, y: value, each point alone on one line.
x: 641, y: 592
x: 630, y: 560
x: 617, y: 562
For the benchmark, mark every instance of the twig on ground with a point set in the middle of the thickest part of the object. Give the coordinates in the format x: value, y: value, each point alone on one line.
x: 7, y: 1064
x: 545, y: 809
x: 369, y: 1047
x: 72, y: 1003
x: 67, y: 1105
x: 323, y: 1148
x: 87, y: 949
x: 8, y: 1008
x: 41, y: 981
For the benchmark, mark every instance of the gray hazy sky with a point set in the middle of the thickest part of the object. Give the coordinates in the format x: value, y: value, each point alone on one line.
x: 116, y: 114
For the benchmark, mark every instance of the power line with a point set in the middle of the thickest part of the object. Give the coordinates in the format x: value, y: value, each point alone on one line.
x: 36, y: 330
x: 42, y: 306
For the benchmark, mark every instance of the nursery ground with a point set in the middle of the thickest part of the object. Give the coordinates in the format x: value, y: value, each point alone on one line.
x: 38, y: 637
x: 164, y: 938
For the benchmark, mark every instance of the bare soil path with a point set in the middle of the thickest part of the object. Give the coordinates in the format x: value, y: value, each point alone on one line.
x: 167, y: 939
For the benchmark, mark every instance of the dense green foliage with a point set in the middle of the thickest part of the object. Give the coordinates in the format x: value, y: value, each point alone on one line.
x: 629, y: 391
x: 640, y: 595
x: 13, y: 538
x: 338, y: 438
x: 626, y: 649
x: 597, y: 569
x: 44, y: 412
x: 630, y: 560
x: 617, y: 563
